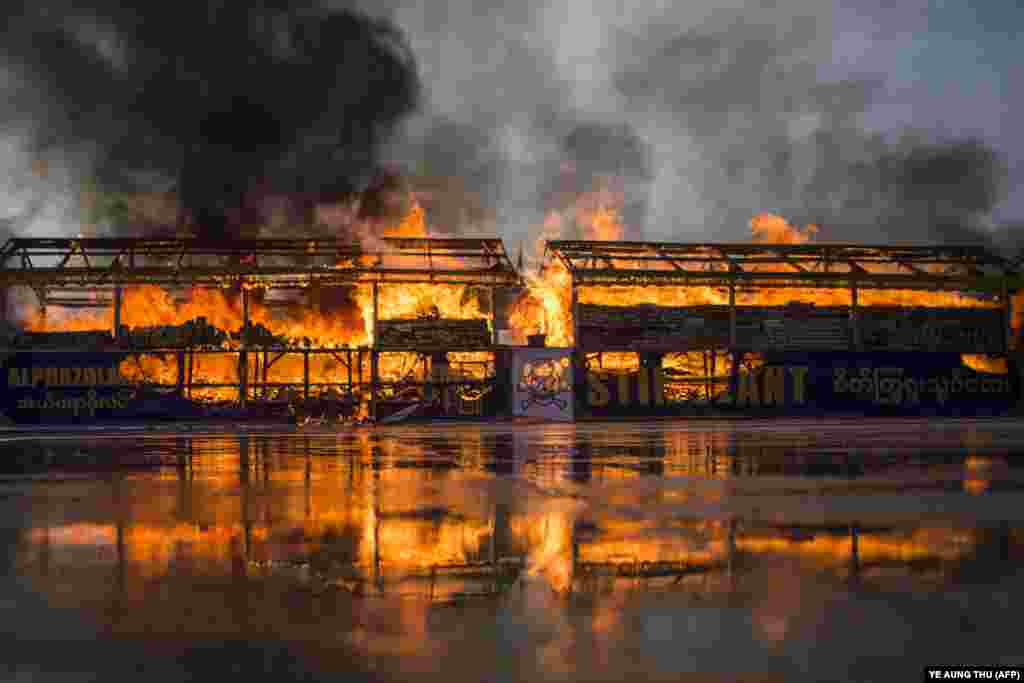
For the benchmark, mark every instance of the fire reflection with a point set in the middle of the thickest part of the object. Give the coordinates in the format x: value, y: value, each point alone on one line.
x: 347, y: 517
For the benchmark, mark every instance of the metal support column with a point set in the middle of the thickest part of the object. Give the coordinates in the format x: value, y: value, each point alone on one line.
x: 732, y: 316
x: 575, y: 315
x: 264, y: 373
x: 243, y: 356
x: 374, y: 380
x: 359, y: 369
x: 117, y: 311
x: 707, y: 375
x: 181, y: 372
x: 494, y: 315
x: 374, y: 354
x: 376, y: 315
x: 854, y: 318
x: 348, y: 366
x: 579, y: 358
x: 256, y: 369
x: 714, y: 370
x: 305, y: 374
x: 734, y: 374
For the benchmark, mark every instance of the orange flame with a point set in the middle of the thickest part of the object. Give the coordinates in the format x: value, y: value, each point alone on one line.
x: 546, y: 306
x: 414, y: 224
x: 348, y: 325
x: 768, y: 228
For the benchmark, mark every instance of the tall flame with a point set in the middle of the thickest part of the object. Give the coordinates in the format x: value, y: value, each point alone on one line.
x: 546, y: 305
x: 413, y: 224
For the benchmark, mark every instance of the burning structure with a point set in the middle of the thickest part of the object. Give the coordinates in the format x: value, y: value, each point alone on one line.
x: 781, y: 322
x: 344, y: 313
x: 398, y: 325
x: 268, y: 322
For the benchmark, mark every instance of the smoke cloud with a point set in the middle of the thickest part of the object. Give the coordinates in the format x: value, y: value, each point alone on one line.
x: 706, y: 113
x: 710, y: 112
x: 220, y: 103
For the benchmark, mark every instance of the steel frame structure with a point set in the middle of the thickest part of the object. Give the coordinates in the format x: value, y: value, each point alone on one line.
x: 746, y: 266
x: 933, y: 267
x: 71, y: 272
x: 99, y: 263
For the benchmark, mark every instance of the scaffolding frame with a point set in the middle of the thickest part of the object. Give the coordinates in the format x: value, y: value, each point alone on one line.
x: 917, y: 267
x: 744, y: 267
x: 93, y: 272
x: 98, y: 263
x: 748, y: 266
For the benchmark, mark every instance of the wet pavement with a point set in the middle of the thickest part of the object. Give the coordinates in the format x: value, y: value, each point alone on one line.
x: 743, y: 550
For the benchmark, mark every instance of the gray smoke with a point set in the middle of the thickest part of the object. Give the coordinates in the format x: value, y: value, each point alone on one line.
x: 710, y: 111
x: 707, y: 112
x: 222, y: 103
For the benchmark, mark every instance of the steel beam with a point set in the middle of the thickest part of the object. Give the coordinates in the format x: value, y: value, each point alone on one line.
x: 89, y: 263
x: 243, y: 355
x: 854, y: 319
x: 117, y: 305
x: 732, y: 316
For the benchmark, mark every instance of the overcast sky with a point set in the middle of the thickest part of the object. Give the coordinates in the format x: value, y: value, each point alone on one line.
x: 948, y: 66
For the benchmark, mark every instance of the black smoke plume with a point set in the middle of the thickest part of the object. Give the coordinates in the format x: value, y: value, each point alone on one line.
x: 222, y: 103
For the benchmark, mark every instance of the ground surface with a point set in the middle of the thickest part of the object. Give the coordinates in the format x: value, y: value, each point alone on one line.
x: 748, y: 550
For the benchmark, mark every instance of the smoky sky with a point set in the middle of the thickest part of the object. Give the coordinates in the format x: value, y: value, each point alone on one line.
x: 212, y: 100
x: 708, y: 112
x: 711, y: 112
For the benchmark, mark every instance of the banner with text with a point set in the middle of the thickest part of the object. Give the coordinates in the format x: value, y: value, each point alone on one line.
x: 76, y: 388
x: 814, y: 382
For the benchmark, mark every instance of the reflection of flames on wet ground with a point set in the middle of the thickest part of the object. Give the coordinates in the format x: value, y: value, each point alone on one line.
x: 371, y: 538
